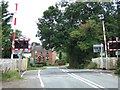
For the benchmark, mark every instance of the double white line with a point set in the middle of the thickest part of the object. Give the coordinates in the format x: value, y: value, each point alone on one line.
x: 90, y: 83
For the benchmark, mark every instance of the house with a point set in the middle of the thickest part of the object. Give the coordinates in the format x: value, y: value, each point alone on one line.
x: 40, y: 55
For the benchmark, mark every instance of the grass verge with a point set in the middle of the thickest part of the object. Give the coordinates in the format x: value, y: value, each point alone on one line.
x: 35, y: 68
x: 10, y: 75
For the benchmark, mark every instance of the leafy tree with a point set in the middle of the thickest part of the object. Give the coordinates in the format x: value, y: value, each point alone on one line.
x: 0, y: 31
x: 77, y: 28
x: 6, y: 31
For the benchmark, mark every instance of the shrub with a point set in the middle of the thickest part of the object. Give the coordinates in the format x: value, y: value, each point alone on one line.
x: 61, y: 61
x: 92, y: 65
x: 10, y: 75
x: 117, y: 71
x: 39, y: 65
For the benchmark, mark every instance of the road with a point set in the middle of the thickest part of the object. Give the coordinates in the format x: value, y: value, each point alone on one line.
x: 55, y: 77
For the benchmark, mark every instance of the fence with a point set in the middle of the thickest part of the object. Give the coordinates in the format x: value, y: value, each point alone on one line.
x: 12, y: 64
x: 112, y: 61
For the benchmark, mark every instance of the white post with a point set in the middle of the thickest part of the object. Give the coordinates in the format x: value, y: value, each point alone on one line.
x: 20, y: 59
x: 117, y: 50
x: 105, y: 44
x: 101, y: 54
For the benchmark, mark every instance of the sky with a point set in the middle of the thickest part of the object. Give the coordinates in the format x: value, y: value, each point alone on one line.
x: 27, y: 15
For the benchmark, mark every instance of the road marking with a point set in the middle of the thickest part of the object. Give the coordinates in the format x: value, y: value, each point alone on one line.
x: 64, y: 70
x: 23, y: 74
x: 41, y: 82
x: 82, y: 80
x: 99, y: 86
x: 90, y: 83
x: 110, y: 74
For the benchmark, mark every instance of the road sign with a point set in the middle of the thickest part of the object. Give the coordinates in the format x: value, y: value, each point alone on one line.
x: 113, y: 45
x: 97, y: 48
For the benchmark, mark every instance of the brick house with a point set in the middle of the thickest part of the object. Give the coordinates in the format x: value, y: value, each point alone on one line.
x: 41, y: 54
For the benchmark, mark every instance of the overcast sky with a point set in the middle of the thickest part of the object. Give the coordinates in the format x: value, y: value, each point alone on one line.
x: 28, y: 13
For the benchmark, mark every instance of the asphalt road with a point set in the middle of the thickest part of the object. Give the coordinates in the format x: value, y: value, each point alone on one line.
x: 55, y: 77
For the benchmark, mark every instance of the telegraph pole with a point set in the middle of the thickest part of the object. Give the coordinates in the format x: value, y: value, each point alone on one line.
x: 105, y: 44
x: 104, y: 33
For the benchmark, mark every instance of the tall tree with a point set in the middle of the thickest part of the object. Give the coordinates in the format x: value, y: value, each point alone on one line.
x: 0, y: 31
x: 6, y: 31
x: 62, y: 30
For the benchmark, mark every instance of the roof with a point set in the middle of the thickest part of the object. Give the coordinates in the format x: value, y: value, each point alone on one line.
x: 37, y: 48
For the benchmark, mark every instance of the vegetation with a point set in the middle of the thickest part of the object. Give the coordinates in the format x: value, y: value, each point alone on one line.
x: 118, y: 68
x: 91, y: 65
x: 10, y: 75
x: 35, y: 68
x: 0, y: 31
x: 77, y: 28
x: 60, y: 62
x: 6, y: 31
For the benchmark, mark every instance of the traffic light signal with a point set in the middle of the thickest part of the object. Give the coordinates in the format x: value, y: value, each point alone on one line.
x: 21, y: 44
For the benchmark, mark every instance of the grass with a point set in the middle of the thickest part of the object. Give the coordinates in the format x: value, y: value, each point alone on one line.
x: 10, y: 75
x: 35, y: 68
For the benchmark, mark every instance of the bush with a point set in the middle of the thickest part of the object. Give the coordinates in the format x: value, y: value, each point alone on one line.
x: 10, y: 75
x: 92, y: 65
x: 39, y: 65
x: 117, y: 71
x: 61, y: 61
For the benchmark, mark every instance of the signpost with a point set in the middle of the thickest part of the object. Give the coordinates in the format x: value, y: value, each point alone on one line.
x: 99, y: 48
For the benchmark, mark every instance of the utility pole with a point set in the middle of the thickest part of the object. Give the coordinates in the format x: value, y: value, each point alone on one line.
x: 105, y: 44
x: 104, y: 33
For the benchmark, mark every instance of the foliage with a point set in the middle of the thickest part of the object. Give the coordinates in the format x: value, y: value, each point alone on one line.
x: 10, y: 75
x: 92, y: 65
x: 6, y: 31
x: 41, y: 63
x: 118, y: 68
x: 77, y: 28
x: 61, y: 61
x: 0, y: 31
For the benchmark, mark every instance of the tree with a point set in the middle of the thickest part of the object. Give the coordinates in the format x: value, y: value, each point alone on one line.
x: 6, y: 31
x: 77, y: 28
x: 0, y: 31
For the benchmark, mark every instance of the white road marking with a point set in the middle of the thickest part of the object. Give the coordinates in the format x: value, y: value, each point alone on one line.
x: 110, y: 74
x: 63, y: 70
x: 83, y: 81
x: 99, y: 86
x: 41, y: 82
x: 90, y: 83
x: 23, y: 74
